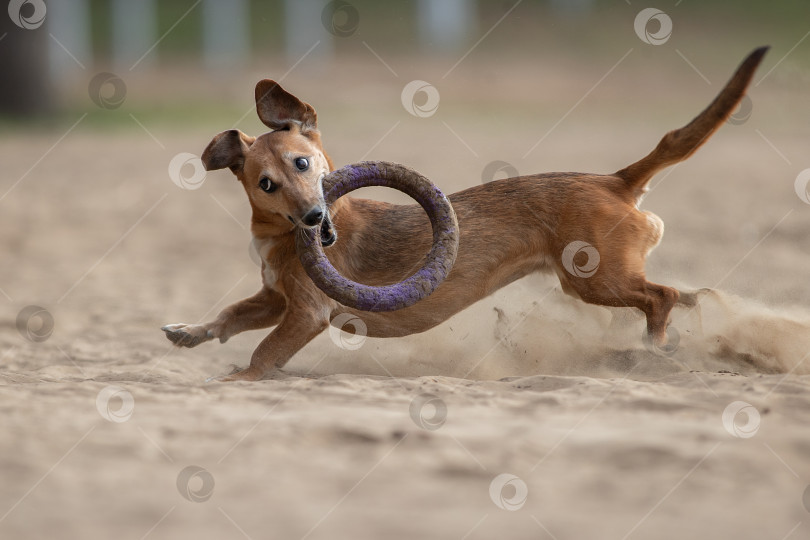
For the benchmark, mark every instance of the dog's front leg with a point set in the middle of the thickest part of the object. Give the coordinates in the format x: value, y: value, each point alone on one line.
x: 299, y: 326
x: 262, y: 310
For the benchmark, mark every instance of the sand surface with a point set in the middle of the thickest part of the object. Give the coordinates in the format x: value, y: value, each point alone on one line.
x: 408, y: 438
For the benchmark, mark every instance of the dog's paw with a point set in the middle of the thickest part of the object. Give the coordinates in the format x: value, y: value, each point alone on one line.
x: 187, y: 335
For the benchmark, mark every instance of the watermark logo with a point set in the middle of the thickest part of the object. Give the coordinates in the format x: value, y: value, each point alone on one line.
x: 428, y: 102
x: 28, y: 14
x: 190, y: 179
x: 806, y: 499
x: 642, y: 26
x: 732, y: 415
x: 35, y: 323
x: 195, y: 484
x: 341, y: 19
x: 800, y: 185
x: 508, y: 492
x: 428, y: 411
x: 743, y: 112
x: 107, y: 90
x: 499, y: 169
x: 345, y: 340
x: 669, y: 348
x: 115, y: 395
x: 577, y: 249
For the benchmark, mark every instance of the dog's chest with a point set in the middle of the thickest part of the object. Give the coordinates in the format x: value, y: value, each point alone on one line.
x: 264, y: 247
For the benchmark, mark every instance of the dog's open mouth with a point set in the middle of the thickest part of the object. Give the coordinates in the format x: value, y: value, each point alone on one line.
x: 328, y: 234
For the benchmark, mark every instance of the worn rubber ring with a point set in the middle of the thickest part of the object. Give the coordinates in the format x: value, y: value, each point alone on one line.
x: 439, y: 260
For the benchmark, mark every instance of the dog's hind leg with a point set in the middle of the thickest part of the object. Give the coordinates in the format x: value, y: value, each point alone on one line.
x: 659, y: 302
x: 620, y: 290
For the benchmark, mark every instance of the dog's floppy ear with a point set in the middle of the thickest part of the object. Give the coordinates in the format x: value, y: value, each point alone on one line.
x: 227, y: 149
x: 278, y: 108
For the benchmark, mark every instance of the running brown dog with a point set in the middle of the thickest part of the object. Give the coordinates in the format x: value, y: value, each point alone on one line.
x: 509, y: 228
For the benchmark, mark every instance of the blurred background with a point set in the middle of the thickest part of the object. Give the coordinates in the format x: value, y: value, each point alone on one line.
x: 181, y: 61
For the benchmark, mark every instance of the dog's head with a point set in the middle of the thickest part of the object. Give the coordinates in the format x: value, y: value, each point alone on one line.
x: 282, y: 171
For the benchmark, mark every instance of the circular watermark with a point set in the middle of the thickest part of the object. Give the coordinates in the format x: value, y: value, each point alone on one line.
x: 669, y: 348
x: 577, y: 250
x: 115, y: 404
x: 742, y: 113
x: 800, y: 185
x: 428, y: 411
x: 195, y: 484
x: 107, y: 90
x: 642, y: 26
x: 35, y: 323
x: 732, y: 413
x: 428, y: 102
x: 27, y: 14
x: 191, y: 179
x: 345, y: 340
x: 508, y: 492
x: 806, y: 498
x: 498, y: 170
x: 341, y: 19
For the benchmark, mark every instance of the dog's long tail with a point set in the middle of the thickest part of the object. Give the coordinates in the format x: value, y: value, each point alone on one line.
x: 679, y: 144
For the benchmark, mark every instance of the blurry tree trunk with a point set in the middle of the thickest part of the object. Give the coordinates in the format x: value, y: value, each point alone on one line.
x: 445, y: 24
x: 70, y: 50
x: 226, y: 34
x: 25, y: 88
x: 134, y: 27
x: 304, y: 34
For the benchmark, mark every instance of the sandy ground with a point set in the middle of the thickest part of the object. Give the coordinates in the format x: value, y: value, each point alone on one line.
x: 408, y: 438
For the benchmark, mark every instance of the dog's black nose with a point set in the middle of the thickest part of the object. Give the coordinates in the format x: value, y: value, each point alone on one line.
x: 313, y: 217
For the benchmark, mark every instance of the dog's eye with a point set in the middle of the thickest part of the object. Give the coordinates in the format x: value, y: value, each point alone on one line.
x: 301, y: 163
x: 267, y: 185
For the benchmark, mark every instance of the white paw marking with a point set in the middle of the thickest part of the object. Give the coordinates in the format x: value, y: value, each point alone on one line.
x: 187, y: 335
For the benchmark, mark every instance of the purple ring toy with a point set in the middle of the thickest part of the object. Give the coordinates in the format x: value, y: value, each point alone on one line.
x: 439, y: 261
